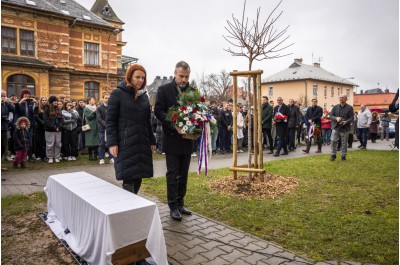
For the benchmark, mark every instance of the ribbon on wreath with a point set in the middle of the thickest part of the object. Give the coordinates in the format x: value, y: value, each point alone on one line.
x: 205, y: 146
x: 311, y: 132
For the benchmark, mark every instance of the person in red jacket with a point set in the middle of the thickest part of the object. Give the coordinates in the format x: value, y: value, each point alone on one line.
x: 326, y: 128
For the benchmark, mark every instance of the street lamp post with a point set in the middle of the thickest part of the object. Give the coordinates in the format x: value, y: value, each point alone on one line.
x: 114, y: 32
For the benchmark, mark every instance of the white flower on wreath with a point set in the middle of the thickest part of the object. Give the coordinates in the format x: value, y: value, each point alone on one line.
x: 185, y: 128
x: 186, y: 111
x: 180, y: 124
x: 182, y: 114
x: 188, y: 123
x: 199, y: 104
x: 186, y: 118
x: 189, y: 109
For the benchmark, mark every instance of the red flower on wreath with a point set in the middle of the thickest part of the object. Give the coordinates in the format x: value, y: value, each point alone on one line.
x: 192, y: 120
x: 190, y: 102
x: 175, y: 118
x: 202, y: 99
x: 183, y: 108
x: 194, y: 110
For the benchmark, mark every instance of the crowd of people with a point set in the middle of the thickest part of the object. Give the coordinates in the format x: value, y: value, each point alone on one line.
x: 50, y: 129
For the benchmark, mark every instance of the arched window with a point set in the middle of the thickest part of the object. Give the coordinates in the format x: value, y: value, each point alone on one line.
x: 92, y: 90
x: 16, y: 83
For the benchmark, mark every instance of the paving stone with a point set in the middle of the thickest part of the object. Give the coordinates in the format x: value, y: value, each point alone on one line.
x: 206, y: 224
x: 209, y: 230
x: 173, y: 250
x: 212, y: 244
x: 224, y: 232
x: 253, y: 247
x: 212, y: 254
x: 217, y: 261
x: 227, y: 248
x: 193, y: 243
x: 234, y: 255
x: 286, y: 254
x: 276, y: 261
x: 195, y: 251
x: 197, y: 259
x: 271, y: 249
x: 179, y: 256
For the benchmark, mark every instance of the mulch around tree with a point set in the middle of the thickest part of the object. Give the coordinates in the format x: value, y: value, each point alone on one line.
x: 269, y: 186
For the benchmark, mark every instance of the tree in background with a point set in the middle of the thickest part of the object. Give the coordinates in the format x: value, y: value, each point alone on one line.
x: 257, y: 40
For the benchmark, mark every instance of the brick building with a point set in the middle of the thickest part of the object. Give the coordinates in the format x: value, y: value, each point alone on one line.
x: 57, y: 47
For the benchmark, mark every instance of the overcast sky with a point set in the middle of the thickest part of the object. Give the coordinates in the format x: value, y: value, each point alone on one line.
x: 354, y: 38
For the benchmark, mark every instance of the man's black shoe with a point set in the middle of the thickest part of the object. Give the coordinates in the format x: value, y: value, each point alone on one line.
x: 360, y: 146
x: 184, y: 211
x: 363, y: 147
x: 175, y: 215
x: 343, y: 158
x: 276, y: 154
x: 333, y: 157
x: 285, y: 153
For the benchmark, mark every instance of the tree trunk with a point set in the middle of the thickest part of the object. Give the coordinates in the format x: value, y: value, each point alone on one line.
x: 249, y: 134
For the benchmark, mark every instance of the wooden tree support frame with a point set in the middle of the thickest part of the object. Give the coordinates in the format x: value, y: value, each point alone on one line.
x: 257, y: 167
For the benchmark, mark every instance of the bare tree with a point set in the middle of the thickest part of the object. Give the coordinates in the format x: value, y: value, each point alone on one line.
x: 256, y: 41
x: 218, y: 86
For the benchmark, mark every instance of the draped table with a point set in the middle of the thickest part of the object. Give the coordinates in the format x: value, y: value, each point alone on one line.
x: 101, y: 218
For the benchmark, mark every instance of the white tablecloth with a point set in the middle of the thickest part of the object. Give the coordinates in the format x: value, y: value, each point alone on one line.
x: 101, y: 217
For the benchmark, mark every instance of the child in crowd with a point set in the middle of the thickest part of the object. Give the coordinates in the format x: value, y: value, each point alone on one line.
x: 21, y: 141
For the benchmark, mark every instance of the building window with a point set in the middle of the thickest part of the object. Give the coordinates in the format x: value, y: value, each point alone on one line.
x: 332, y: 92
x: 338, y: 91
x: 325, y: 91
x: 27, y: 42
x: 16, y: 83
x: 348, y: 92
x: 92, y: 90
x: 271, y: 91
x: 8, y: 40
x: 315, y: 90
x: 91, y: 53
x: 325, y: 105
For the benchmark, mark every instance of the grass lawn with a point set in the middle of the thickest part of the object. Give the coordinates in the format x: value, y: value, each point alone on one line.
x: 339, y: 211
x: 81, y: 160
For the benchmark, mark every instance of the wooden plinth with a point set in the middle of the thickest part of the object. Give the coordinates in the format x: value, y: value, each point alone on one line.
x: 130, y: 254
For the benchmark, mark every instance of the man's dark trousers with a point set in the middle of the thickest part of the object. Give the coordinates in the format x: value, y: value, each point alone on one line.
x: 362, y: 136
x: 177, y: 177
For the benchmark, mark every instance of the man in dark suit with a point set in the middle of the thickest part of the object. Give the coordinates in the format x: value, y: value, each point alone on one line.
x: 177, y: 150
x: 226, y: 129
x: 313, y: 118
x: 281, y: 126
x: 293, y: 123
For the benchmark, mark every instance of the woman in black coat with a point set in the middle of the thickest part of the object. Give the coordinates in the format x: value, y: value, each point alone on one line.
x: 129, y: 135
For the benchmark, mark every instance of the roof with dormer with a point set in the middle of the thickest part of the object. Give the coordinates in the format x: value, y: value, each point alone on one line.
x: 103, y: 9
x: 300, y: 71
x: 67, y: 8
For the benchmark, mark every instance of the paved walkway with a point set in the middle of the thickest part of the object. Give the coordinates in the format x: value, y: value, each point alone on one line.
x: 197, y: 239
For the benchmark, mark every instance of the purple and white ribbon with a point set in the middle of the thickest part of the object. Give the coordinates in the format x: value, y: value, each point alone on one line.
x: 311, y: 132
x: 204, y: 148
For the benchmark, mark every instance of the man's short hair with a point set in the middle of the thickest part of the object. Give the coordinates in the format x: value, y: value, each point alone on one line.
x: 314, y: 99
x: 182, y: 64
x: 105, y: 94
x: 265, y: 97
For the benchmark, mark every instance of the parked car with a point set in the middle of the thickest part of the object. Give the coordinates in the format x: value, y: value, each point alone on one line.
x: 392, y: 131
